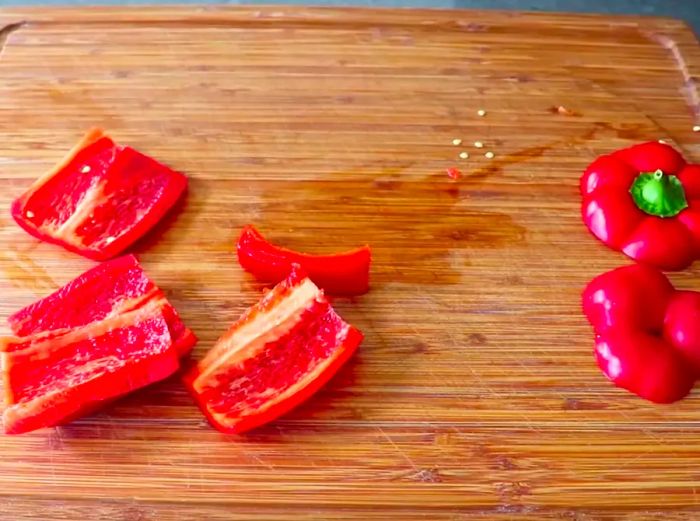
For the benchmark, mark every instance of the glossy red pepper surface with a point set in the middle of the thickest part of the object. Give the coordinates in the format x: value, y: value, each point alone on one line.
x: 647, y: 333
x: 344, y: 273
x: 100, y: 199
x: 53, y: 377
x: 280, y: 352
x: 645, y: 201
x: 108, y: 289
x: 107, y: 332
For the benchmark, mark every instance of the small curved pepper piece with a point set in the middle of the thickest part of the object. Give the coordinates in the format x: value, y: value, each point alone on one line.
x: 645, y: 201
x: 647, y: 333
x: 344, y: 273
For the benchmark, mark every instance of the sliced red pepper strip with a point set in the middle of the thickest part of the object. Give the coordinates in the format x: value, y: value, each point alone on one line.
x: 99, y: 199
x: 344, y: 273
x: 52, y: 377
x: 109, y: 289
x: 647, y: 333
x: 279, y: 353
x: 637, y: 201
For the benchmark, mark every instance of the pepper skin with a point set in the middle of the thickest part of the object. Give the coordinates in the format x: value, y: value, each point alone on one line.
x: 345, y: 273
x: 647, y: 333
x: 53, y: 377
x: 645, y: 201
x: 280, y: 352
x: 100, y: 199
x: 109, y: 289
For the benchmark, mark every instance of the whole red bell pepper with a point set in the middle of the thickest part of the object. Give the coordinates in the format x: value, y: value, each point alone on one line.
x: 645, y: 201
x: 344, y: 273
x: 647, y: 333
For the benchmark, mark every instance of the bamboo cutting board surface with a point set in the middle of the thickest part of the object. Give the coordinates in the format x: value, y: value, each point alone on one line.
x: 475, y: 395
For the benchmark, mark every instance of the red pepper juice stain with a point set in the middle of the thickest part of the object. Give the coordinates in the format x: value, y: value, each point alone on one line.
x: 413, y: 225
x: 21, y: 271
x: 519, y: 156
x: 496, y: 165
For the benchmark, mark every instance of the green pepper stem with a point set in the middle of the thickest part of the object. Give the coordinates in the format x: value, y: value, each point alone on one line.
x: 659, y: 194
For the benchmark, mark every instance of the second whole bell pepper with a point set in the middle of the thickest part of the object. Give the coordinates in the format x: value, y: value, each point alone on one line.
x: 645, y: 201
x: 647, y: 332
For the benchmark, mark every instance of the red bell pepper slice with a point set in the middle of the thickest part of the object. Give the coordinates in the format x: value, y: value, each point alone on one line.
x: 645, y: 201
x: 100, y: 199
x: 647, y: 333
x: 53, y: 377
x: 280, y: 352
x: 344, y: 273
x: 107, y: 290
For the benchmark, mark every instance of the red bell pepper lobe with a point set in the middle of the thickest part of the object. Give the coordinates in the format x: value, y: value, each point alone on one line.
x: 647, y: 333
x: 100, y: 199
x: 109, y: 289
x: 280, y: 352
x: 102, y: 335
x: 645, y: 201
x: 53, y: 377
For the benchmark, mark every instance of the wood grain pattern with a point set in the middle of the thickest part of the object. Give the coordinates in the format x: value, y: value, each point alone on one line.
x: 475, y: 395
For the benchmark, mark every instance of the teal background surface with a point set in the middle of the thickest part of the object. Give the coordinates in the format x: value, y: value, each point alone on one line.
x: 688, y: 10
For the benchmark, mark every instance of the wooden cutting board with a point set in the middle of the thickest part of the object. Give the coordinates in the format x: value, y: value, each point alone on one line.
x: 475, y: 395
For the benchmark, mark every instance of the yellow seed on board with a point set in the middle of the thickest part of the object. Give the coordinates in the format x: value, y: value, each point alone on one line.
x: 489, y: 155
x: 481, y: 113
x: 696, y: 128
x: 464, y: 155
x: 478, y: 144
x: 456, y: 142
